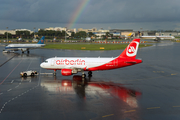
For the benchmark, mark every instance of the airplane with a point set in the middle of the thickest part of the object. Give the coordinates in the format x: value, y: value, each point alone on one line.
x: 25, y: 47
x: 129, y: 36
x: 73, y: 65
x: 157, y: 38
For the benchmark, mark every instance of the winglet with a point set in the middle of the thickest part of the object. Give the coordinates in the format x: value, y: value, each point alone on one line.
x: 41, y: 41
x: 131, y: 50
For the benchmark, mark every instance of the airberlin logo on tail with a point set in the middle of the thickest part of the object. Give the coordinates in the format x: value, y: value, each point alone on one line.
x: 132, y: 49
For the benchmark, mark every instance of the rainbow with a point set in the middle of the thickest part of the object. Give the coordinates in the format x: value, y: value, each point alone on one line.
x: 77, y: 14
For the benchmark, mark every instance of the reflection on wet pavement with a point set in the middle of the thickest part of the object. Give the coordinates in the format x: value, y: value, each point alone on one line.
x: 147, y: 91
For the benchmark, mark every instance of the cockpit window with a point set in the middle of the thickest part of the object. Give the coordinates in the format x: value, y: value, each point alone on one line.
x: 46, y: 61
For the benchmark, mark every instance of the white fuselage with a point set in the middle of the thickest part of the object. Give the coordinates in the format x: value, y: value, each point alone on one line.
x: 23, y: 47
x: 70, y: 62
x: 154, y: 37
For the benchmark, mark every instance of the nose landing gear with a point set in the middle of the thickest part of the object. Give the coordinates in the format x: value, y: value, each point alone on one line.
x: 54, y: 73
x: 90, y: 74
x: 83, y: 75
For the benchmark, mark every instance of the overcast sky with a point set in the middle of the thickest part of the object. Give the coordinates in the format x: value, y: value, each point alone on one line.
x: 106, y: 14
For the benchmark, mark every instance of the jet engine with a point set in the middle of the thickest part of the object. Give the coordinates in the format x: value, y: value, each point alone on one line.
x: 66, y: 72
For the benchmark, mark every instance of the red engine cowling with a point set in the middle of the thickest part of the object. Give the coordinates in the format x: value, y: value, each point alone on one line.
x: 66, y: 72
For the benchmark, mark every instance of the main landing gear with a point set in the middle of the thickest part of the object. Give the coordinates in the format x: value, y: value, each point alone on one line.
x: 89, y: 74
x: 27, y: 51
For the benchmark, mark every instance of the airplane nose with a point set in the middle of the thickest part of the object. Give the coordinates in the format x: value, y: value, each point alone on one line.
x: 42, y: 65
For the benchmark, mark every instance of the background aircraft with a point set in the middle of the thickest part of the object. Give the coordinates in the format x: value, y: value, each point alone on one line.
x: 157, y: 38
x: 70, y: 65
x: 25, y: 47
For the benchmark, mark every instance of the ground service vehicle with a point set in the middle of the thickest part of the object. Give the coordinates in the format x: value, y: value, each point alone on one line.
x: 28, y: 73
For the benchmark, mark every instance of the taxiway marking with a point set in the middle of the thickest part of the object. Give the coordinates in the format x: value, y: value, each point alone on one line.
x: 154, y: 108
x: 12, y: 81
x: 108, y: 115
x: 15, y: 98
x: 158, y: 71
x: 176, y: 106
x: 29, y: 65
x: 15, y: 87
x: 11, y: 72
x: 7, y: 60
x: 9, y: 90
x: 130, y: 111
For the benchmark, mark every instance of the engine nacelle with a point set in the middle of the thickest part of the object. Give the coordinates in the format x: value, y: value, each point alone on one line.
x: 66, y: 72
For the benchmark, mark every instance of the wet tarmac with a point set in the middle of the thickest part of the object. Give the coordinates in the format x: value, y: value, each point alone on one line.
x: 146, y: 91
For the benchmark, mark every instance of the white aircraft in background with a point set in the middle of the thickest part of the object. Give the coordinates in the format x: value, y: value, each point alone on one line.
x: 157, y: 38
x: 25, y: 47
x: 73, y: 65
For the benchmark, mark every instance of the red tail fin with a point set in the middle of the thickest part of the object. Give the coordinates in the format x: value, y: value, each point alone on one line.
x: 131, y: 50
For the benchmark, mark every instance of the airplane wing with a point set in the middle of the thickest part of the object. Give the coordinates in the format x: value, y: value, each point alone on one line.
x: 75, y: 68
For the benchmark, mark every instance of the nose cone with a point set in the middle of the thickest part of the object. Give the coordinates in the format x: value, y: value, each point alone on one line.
x: 42, y: 65
x: 6, y: 47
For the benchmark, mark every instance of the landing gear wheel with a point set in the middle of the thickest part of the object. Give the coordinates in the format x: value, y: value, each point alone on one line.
x: 90, y: 74
x: 32, y: 74
x: 54, y: 74
x: 83, y: 75
x: 25, y: 75
x: 22, y: 51
x: 28, y: 51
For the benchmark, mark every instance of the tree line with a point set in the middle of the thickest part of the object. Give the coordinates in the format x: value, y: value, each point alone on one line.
x: 50, y: 34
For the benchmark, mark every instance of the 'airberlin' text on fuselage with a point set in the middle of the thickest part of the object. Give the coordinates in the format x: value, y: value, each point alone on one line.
x: 70, y: 62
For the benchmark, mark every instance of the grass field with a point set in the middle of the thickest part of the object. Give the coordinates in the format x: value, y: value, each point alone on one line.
x: 90, y: 46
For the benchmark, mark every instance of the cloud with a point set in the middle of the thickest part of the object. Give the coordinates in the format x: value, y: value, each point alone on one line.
x: 97, y: 11
x: 36, y: 11
x: 135, y: 11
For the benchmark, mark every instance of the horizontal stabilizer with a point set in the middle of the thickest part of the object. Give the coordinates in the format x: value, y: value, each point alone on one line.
x: 131, y: 62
